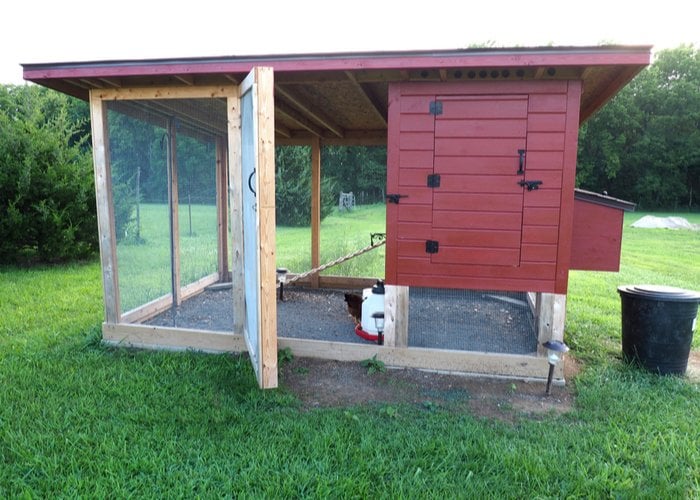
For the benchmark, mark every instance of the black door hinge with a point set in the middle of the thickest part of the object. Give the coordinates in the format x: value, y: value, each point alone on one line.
x: 435, y: 108
x: 431, y: 246
x: 434, y: 180
x: 394, y: 198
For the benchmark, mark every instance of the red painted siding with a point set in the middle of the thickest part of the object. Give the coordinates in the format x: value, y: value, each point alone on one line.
x: 597, y: 237
x: 492, y: 232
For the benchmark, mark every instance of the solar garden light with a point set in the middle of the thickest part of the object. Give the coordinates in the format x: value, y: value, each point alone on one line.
x: 555, y: 352
x: 379, y: 325
x: 282, y: 279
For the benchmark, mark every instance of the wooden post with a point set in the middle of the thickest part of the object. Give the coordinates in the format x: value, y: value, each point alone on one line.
x: 315, y: 208
x: 236, y: 207
x: 105, y: 208
x: 221, y: 208
x: 266, y: 209
x: 551, y: 316
x: 174, y: 219
x: 396, y: 316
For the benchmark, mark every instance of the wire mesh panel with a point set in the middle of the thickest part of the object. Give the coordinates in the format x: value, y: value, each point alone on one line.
x: 162, y: 151
x: 138, y: 159
x: 471, y: 320
x: 196, y: 162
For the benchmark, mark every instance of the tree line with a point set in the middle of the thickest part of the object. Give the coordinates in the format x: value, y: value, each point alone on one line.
x: 643, y: 146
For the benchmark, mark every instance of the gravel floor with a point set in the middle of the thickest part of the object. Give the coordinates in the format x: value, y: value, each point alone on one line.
x: 443, y: 319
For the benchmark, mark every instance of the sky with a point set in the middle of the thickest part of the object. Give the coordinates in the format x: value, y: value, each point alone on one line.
x: 50, y: 31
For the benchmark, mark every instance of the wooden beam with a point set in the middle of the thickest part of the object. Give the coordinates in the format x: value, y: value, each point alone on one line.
x: 298, y: 118
x: 352, y: 138
x: 92, y: 83
x: 371, y: 98
x: 111, y: 82
x: 173, y: 198
x: 162, y: 304
x: 168, y: 338
x: 196, y: 118
x: 282, y: 130
x: 338, y: 282
x: 264, y: 78
x: 186, y: 79
x: 222, y: 206
x: 315, y: 207
x: 551, y: 317
x: 315, y: 114
x: 359, y: 138
x: 396, y: 316
x: 443, y: 75
x: 516, y: 366
x: 193, y: 92
x: 235, y: 199
x: 105, y: 208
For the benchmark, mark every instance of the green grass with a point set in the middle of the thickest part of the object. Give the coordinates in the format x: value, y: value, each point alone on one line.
x: 81, y: 419
x: 144, y: 266
x: 341, y: 234
x: 655, y: 256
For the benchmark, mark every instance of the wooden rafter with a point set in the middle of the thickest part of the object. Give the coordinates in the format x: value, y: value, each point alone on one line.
x: 111, y: 82
x: 97, y: 84
x: 316, y: 114
x: 232, y: 78
x: 186, y: 79
x: 298, y: 118
x: 371, y: 98
x: 196, y: 119
x: 282, y: 130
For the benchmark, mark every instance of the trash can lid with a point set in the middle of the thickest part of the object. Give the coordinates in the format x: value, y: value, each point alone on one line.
x: 660, y: 292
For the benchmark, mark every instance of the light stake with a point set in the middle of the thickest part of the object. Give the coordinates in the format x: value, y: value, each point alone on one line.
x: 379, y: 325
x: 555, y: 352
x: 282, y: 279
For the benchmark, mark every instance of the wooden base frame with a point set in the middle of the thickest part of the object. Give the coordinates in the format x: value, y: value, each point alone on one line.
x: 512, y: 366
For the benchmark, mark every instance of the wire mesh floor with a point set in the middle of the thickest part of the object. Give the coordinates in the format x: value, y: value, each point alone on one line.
x: 466, y: 320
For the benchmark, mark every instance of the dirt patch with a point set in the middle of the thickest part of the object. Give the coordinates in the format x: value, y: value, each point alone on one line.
x: 324, y: 383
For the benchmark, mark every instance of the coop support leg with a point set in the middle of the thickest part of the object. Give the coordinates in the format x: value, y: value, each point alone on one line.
x: 550, y: 317
x: 396, y: 316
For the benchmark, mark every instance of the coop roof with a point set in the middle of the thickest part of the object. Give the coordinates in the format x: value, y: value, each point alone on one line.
x: 343, y: 97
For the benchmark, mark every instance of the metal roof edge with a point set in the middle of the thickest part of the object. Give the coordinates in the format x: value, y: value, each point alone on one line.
x: 330, y: 56
x: 603, y: 199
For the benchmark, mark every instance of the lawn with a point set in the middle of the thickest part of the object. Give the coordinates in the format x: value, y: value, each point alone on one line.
x: 81, y: 419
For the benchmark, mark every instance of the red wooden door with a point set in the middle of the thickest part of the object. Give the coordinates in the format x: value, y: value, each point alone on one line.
x: 480, y: 228
x: 477, y: 209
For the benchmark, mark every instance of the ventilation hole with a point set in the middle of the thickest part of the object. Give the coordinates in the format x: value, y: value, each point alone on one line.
x: 494, y: 73
x: 471, y: 74
x: 551, y: 71
x: 520, y: 73
x: 424, y: 74
x: 505, y: 73
x: 458, y: 74
x: 483, y: 73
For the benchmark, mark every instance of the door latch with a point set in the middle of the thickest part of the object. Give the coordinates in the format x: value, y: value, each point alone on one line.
x: 394, y: 198
x: 531, y: 185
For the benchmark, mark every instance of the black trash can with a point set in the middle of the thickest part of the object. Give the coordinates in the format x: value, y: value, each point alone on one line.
x: 657, y: 326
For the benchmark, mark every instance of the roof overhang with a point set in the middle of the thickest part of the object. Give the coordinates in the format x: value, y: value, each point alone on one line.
x: 343, y: 96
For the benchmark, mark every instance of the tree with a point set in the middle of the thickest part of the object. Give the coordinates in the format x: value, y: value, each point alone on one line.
x: 293, y: 187
x: 47, y: 196
x: 645, y: 144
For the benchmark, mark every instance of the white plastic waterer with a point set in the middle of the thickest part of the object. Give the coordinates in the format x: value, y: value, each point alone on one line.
x: 372, y: 302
